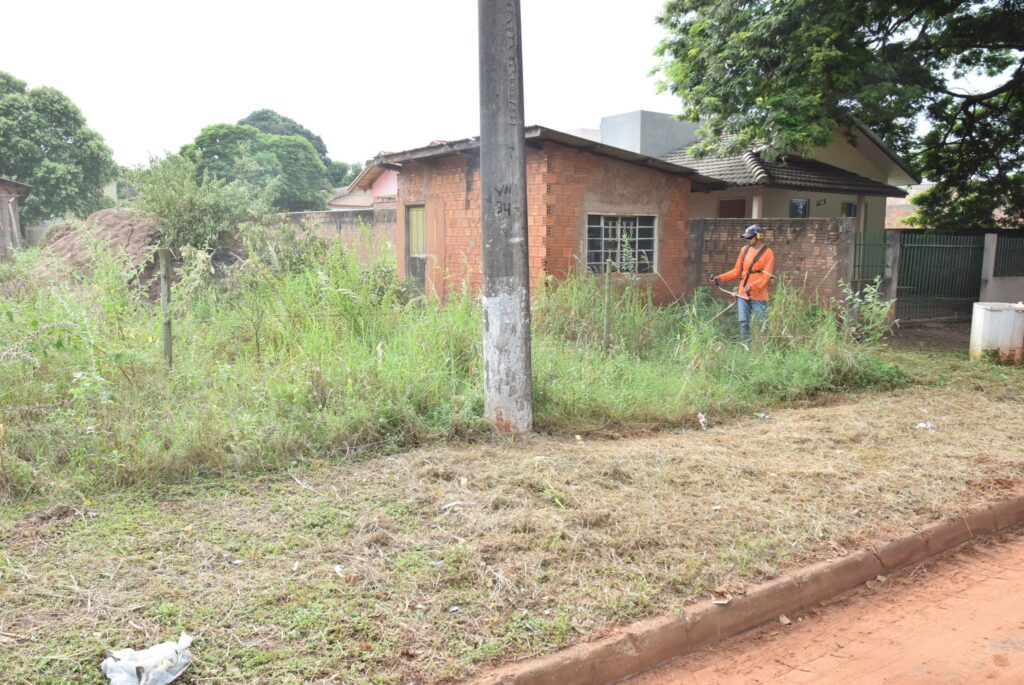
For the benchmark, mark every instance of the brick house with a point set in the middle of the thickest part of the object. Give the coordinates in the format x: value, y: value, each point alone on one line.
x: 586, y: 203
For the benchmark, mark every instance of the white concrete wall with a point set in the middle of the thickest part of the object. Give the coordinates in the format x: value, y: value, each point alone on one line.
x: 776, y: 204
x: 840, y: 153
x: 1004, y: 288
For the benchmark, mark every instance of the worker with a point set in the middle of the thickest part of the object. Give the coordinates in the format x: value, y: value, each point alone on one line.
x: 754, y: 268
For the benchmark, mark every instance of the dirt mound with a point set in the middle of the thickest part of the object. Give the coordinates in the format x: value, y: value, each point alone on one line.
x: 127, y: 231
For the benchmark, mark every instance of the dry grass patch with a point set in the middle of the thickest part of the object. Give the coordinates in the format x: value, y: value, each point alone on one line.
x: 430, y: 565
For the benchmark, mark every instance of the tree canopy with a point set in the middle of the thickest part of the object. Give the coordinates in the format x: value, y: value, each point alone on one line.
x: 783, y: 76
x: 45, y: 143
x: 269, y: 121
x: 286, y: 167
x: 343, y: 173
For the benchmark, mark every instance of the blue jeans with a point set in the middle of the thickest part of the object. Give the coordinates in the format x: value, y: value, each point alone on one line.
x: 743, y: 306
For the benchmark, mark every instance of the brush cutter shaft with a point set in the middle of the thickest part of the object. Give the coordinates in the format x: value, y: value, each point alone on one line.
x: 732, y: 294
x: 727, y: 308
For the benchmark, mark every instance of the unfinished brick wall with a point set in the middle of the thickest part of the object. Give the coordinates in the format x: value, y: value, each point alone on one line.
x: 362, y: 230
x: 813, y: 254
x: 577, y: 183
x: 563, y: 186
x: 449, y: 189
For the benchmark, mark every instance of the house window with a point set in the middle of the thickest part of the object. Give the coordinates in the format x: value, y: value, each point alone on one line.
x: 735, y: 208
x: 848, y: 209
x: 799, y: 208
x: 628, y: 241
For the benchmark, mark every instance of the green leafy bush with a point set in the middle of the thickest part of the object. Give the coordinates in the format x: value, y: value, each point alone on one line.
x: 864, y: 315
x: 192, y: 207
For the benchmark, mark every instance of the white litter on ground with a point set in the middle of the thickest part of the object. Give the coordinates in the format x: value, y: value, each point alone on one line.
x: 157, y: 665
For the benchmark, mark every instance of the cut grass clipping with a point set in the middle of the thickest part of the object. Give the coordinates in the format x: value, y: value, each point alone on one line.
x: 433, y: 564
x: 302, y: 351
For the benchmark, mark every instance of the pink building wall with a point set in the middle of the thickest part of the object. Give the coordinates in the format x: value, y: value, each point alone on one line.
x: 386, y: 184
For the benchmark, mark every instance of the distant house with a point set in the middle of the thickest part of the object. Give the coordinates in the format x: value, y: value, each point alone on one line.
x: 898, y: 209
x: 843, y: 179
x: 849, y: 179
x: 12, y: 195
x: 587, y: 203
x: 373, y: 184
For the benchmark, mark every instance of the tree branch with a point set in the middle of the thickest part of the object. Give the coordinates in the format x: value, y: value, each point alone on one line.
x: 1014, y: 81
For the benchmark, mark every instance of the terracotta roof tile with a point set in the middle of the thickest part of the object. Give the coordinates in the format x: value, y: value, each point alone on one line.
x: 748, y: 169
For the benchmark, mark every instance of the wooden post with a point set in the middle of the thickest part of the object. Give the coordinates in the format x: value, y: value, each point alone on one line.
x: 165, y: 302
x: 508, y: 376
x: 12, y: 209
x: 6, y: 230
x: 4, y: 247
x: 607, y: 304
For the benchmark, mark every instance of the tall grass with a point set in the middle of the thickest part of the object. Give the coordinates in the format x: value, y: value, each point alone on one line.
x: 666, y: 364
x: 301, y: 352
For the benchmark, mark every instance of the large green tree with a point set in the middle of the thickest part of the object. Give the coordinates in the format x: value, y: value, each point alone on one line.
x: 785, y: 75
x: 343, y: 173
x: 287, y: 168
x: 269, y: 121
x: 45, y: 143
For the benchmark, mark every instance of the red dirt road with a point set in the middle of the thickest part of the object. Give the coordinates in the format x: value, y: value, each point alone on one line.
x: 956, y: 619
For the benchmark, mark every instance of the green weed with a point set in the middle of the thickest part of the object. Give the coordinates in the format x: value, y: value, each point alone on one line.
x: 303, y: 352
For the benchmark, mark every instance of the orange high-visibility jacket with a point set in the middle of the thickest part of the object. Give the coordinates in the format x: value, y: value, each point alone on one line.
x: 760, y: 273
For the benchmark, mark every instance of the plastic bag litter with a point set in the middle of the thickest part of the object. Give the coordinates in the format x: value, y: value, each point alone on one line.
x: 157, y: 665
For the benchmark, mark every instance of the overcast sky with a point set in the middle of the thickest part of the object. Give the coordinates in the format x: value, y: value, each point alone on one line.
x: 365, y: 76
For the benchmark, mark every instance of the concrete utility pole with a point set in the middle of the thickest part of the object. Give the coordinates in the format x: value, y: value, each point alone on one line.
x: 508, y: 374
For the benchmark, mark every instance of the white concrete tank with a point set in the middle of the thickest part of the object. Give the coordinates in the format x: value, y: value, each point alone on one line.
x: 997, y: 331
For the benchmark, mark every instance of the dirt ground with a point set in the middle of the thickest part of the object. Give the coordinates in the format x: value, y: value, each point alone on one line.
x: 437, y: 564
x: 128, y: 233
x: 951, y: 336
x: 430, y: 566
x: 954, y: 619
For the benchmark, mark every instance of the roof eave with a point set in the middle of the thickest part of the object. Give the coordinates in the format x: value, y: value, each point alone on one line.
x: 889, y: 152
x: 883, y: 191
x: 699, y: 182
x: 22, y: 189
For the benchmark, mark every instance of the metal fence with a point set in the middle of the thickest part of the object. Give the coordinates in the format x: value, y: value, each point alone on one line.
x: 1009, y: 257
x: 869, y: 257
x: 939, y: 275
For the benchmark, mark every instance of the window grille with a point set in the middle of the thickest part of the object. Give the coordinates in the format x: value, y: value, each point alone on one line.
x: 628, y: 241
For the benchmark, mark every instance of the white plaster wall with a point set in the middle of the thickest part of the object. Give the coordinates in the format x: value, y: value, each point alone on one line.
x: 822, y: 205
x: 1003, y: 289
x: 840, y: 153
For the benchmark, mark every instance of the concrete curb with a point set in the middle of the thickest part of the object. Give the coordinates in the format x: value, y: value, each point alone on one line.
x: 647, y: 644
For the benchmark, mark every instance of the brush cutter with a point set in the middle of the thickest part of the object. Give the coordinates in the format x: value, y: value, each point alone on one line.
x: 731, y: 304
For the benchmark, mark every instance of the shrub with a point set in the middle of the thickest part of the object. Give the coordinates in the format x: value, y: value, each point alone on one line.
x: 191, y: 207
x: 864, y: 315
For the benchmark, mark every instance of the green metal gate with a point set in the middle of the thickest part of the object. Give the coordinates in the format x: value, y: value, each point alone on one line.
x: 939, y: 275
x: 869, y: 256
